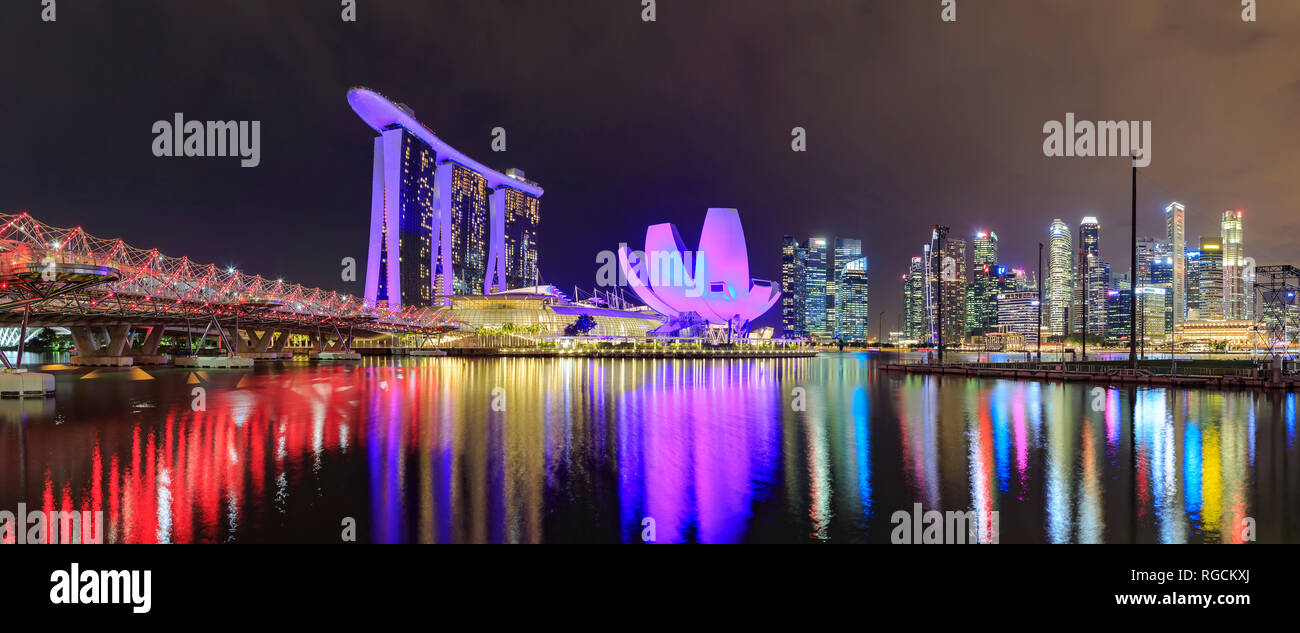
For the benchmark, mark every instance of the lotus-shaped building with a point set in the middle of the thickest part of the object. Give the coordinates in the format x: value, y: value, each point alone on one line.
x: 709, y: 286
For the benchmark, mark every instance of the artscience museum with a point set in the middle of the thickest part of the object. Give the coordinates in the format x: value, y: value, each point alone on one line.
x: 709, y: 288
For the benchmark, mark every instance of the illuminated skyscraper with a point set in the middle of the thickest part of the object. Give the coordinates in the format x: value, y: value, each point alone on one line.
x: 1117, y: 311
x: 946, y: 279
x: 851, y: 298
x: 439, y: 220
x: 1231, y: 236
x: 406, y: 234
x: 1162, y: 276
x: 1176, y: 240
x: 1093, y: 281
x: 1153, y: 313
x: 982, y: 294
x: 469, y: 230
x: 989, y: 281
x: 1148, y: 249
x: 1193, y: 284
x: 914, y: 300
x: 1250, y: 301
x: 811, y: 273
x: 815, y: 262
x: 1209, y: 277
x: 1060, y: 278
x: 985, y: 249
x: 794, y: 279
x: 846, y: 251
x: 520, y: 216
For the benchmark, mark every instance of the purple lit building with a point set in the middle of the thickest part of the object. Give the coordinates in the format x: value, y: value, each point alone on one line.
x: 441, y: 223
x: 711, y: 286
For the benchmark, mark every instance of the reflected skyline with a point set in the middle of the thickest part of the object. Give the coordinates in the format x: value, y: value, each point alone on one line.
x: 586, y: 450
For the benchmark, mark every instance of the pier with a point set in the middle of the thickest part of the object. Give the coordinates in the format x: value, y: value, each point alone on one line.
x: 1188, y: 376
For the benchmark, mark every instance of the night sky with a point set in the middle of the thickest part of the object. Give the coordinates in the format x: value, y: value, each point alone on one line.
x: 911, y: 121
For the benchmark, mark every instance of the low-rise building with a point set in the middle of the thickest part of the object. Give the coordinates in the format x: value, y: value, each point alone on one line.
x: 545, y: 311
x: 1233, y: 333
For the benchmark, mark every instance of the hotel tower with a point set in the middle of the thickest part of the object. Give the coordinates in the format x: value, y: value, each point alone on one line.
x: 441, y: 223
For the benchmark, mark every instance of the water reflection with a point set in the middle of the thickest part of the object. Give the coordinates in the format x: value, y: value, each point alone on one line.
x: 556, y: 450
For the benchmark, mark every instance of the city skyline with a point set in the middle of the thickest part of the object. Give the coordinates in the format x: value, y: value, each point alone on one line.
x: 603, y: 150
x: 1191, y: 283
x: 349, y: 272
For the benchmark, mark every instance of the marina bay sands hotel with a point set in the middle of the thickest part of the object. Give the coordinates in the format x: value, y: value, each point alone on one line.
x: 441, y: 223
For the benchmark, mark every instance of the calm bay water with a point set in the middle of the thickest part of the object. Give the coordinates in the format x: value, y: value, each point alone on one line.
x: 419, y: 450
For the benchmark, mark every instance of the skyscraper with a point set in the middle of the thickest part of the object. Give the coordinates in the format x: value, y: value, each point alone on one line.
x: 811, y: 275
x: 1162, y: 277
x: 1093, y: 280
x: 946, y: 279
x: 954, y: 291
x: 1147, y: 250
x: 989, y: 281
x: 1153, y: 312
x: 914, y: 300
x: 846, y: 251
x: 982, y: 294
x: 985, y: 249
x: 794, y: 278
x: 469, y: 229
x: 520, y: 217
x: 815, y: 289
x: 1250, y: 302
x: 1194, y: 308
x: 1098, y: 286
x: 1176, y: 240
x: 439, y: 218
x: 1117, y: 312
x: 851, y: 298
x: 1209, y: 276
x: 1231, y: 234
x: 1060, y: 279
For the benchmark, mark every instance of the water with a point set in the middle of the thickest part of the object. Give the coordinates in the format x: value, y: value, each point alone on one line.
x: 419, y: 450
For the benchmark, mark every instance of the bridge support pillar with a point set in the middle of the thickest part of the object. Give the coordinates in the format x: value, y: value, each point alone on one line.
x: 240, y: 345
x: 253, y: 341
x: 258, y: 345
x: 85, y: 340
x: 148, y: 352
x: 338, y: 349
x: 263, y: 343
x: 110, y: 354
x: 152, y: 340
x: 116, y: 339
